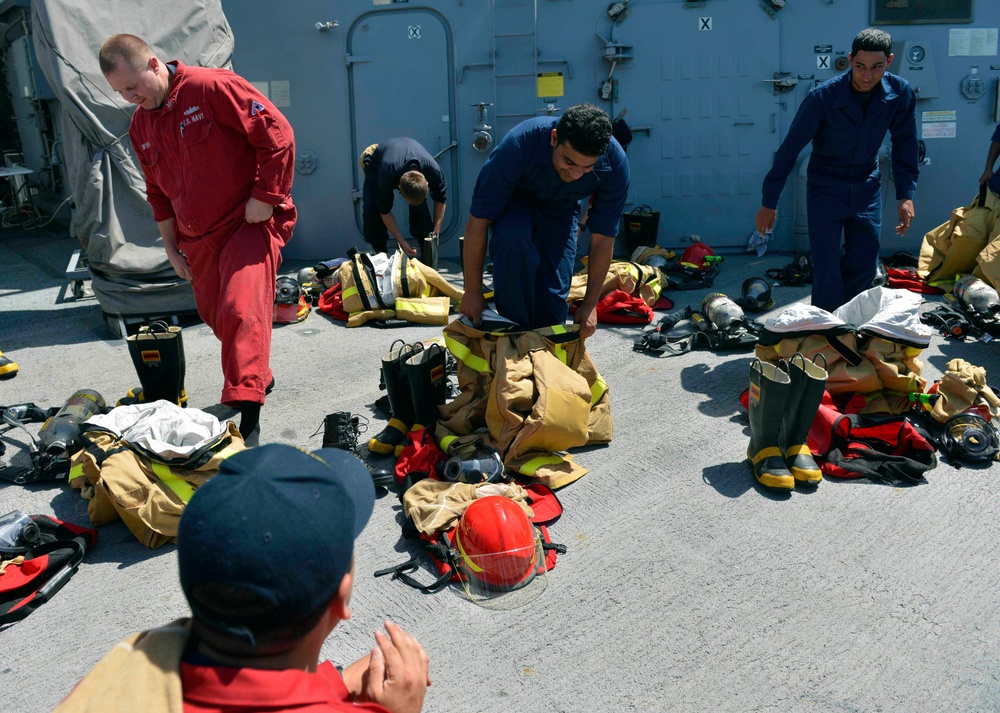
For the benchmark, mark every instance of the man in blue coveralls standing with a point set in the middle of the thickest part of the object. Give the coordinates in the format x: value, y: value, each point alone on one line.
x: 528, y: 196
x: 846, y: 118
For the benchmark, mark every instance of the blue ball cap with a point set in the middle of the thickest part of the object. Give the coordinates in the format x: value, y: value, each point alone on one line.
x: 277, y: 522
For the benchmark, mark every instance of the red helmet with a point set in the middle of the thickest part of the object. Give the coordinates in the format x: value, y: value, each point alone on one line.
x: 695, y: 255
x: 497, y: 543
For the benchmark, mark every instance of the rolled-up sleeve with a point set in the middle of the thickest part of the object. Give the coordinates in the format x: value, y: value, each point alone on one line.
x: 604, y: 217
x: 436, y: 184
x: 240, y: 106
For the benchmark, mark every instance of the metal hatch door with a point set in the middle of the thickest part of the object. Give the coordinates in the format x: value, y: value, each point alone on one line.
x: 400, y: 65
x: 713, y: 124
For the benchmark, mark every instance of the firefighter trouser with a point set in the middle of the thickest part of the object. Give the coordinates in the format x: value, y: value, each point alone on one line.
x: 537, y: 393
x: 533, y: 253
x: 233, y: 276
x: 837, y: 279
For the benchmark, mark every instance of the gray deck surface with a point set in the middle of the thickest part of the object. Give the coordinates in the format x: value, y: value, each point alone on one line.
x: 685, y: 587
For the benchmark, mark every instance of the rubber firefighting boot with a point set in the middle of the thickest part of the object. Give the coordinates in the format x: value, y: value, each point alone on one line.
x: 429, y: 250
x: 808, y: 382
x: 157, y: 352
x: 428, y: 379
x: 769, y: 387
x: 8, y: 368
x: 394, y: 376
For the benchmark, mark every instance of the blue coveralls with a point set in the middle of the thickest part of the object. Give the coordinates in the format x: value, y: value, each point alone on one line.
x: 383, y: 169
x: 994, y: 182
x: 844, y: 181
x: 534, y: 217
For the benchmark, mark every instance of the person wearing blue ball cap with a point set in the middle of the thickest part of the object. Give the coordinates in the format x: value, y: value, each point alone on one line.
x: 266, y: 557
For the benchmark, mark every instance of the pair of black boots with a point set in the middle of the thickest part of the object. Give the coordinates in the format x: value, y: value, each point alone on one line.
x: 415, y: 379
x: 157, y: 352
x: 784, y: 399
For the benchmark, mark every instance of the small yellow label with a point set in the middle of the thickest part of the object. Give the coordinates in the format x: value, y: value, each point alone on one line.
x: 550, y: 84
x: 150, y: 356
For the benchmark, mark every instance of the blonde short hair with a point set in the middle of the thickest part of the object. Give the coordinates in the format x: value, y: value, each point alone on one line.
x: 127, y: 50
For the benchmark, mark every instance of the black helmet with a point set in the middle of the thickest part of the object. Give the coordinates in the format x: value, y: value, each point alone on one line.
x: 756, y: 295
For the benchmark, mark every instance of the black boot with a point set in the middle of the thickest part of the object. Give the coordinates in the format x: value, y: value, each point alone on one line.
x: 157, y: 353
x: 769, y: 385
x: 341, y: 430
x: 428, y: 380
x: 808, y: 382
x: 400, y: 402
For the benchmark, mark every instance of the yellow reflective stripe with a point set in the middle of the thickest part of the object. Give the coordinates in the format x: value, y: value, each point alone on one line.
x: 465, y: 557
x: 75, y: 472
x: 770, y: 452
x: 415, y: 306
x: 447, y: 441
x: 181, y: 487
x: 349, y: 292
x: 534, y: 464
x: 597, y: 390
x: 558, y: 349
x: 465, y: 355
x: 228, y: 451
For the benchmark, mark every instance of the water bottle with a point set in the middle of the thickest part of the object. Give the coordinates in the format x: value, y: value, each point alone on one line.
x: 977, y: 296
x: 722, y: 312
x: 59, y: 436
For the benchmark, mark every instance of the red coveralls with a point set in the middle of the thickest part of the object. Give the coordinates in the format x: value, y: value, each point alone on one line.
x: 214, y: 143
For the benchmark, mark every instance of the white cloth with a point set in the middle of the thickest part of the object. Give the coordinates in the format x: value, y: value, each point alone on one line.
x: 162, y: 427
x: 888, y: 313
x: 758, y: 242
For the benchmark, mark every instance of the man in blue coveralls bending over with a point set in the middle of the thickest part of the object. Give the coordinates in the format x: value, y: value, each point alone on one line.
x: 846, y: 118
x: 529, y: 193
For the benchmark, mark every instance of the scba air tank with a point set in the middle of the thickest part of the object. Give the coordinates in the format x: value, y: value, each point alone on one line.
x: 977, y: 296
x: 60, y: 433
x: 722, y: 311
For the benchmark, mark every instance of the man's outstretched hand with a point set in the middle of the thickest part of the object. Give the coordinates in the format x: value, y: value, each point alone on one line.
x: 397, y: 677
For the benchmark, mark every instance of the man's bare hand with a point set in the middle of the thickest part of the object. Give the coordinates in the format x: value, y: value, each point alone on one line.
x: 406, y: 247
x: 257, y: 211
x: 472, y: 305
x: 905, y: 216
x: 765, y: 219
x: 586, y: 317
x: 397, y: 676
x: 987, y: 174
x: 180, y: 264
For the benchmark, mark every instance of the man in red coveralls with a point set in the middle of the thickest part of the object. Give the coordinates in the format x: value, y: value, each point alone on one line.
x: 218, y: 159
